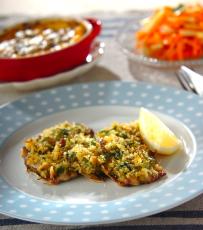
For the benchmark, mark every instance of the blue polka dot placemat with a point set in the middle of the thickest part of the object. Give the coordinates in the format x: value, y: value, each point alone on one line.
x: 185, y: 107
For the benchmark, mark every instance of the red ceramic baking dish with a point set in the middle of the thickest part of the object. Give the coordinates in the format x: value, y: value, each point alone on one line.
x: 37, y: 66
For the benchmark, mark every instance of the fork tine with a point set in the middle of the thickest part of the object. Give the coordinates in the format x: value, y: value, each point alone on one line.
x: 185, y: 77
x: 196, y: 79
x: 183, y: 82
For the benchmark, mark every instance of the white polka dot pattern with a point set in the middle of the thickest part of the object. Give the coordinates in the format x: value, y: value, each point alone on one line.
x: 181, y: 105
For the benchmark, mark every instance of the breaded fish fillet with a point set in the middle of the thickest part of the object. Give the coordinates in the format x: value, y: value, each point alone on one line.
x: 62, y: 152
x: 125, y: 158
x: 86, y: 151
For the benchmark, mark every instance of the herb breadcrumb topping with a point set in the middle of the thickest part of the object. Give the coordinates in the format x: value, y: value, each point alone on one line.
x: 125, y: 158
x: 62, y: 152
x: 68, y: 150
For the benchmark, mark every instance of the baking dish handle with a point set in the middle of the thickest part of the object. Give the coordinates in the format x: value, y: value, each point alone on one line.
x: 96, y: 27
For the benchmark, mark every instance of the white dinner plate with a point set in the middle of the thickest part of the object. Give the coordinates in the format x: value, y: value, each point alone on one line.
x: 82, y: 201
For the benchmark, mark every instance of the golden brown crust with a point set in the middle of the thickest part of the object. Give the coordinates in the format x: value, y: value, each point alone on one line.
x: 125, y: 158
x: 67, y: 150
x: 62, y: 152
x: 53, y: 180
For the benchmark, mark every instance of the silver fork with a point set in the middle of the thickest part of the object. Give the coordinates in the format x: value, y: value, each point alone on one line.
x: 190, y: 80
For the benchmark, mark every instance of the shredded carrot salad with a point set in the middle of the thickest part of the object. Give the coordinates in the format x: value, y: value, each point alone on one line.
x: 172, y: 33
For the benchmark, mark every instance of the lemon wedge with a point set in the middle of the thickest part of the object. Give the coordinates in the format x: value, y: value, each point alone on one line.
x: 156, y: 134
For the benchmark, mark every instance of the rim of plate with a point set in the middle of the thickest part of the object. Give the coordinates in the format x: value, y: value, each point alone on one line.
x: 187, y: 107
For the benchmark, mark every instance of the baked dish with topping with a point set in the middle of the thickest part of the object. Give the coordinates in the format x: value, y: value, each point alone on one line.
x: 125, y: 158
x: 40, y: 36
x: 46, y: 46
